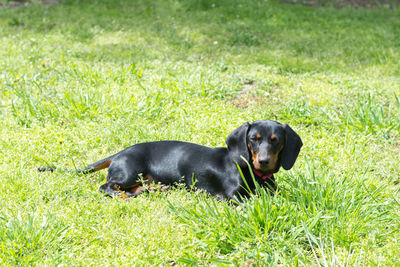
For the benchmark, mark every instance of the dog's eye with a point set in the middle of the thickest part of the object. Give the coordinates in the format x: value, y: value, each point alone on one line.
x: 273, y: 138
x: 255, y: 138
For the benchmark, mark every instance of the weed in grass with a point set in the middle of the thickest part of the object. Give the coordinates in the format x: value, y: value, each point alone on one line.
x: 371, y: 117
x: 24, y: 237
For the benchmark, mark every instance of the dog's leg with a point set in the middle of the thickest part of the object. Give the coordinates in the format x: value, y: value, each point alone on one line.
x: 110, y: 189
x: 135, y: 190
x: 122, y: 178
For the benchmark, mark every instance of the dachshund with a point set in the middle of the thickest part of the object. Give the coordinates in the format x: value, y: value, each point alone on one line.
x: 259, y: 148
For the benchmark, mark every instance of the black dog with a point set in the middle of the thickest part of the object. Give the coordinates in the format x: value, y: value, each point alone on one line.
x: 266, y: 145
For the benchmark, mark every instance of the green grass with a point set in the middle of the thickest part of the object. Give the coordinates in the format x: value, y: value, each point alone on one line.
x: 83, y: 79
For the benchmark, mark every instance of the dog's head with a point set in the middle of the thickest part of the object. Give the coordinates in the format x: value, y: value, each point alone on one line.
x: 266, y: 145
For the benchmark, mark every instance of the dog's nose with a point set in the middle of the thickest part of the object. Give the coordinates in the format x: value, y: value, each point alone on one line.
x: 263, y: 161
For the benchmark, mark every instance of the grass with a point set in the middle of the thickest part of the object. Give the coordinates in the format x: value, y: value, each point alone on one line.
x: 83, y: 79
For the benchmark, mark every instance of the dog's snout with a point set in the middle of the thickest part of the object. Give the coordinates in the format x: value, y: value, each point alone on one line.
x: 263, y: 160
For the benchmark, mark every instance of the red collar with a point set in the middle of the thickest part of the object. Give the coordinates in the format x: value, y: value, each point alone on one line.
x: 261, y: 175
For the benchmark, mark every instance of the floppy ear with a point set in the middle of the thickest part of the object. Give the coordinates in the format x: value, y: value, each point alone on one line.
x: 291, y: 149
x: 237, y: 144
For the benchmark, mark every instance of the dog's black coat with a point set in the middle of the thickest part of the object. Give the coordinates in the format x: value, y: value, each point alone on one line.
x: 266, y: 145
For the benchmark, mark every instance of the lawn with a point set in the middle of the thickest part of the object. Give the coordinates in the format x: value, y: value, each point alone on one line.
x: 80, y: 80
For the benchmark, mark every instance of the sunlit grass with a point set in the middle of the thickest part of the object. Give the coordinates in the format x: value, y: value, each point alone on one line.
x: 81, y: 80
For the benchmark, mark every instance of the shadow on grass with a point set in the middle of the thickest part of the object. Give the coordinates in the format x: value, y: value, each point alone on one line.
x: 296, y: 39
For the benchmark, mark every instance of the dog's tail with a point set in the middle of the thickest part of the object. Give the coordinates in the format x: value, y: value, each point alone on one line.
x: 99, y: 165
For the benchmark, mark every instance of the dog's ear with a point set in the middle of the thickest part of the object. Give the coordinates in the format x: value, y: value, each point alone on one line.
x: 237, y: 144
x: 291, y: 149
